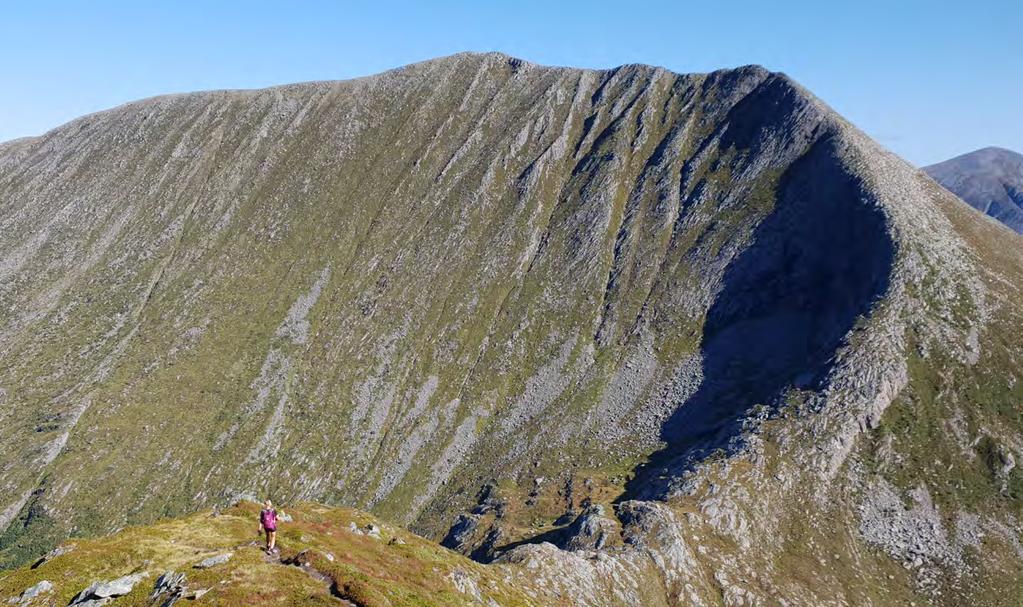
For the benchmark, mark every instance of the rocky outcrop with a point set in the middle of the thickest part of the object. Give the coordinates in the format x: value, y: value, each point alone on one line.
x: 101, y: 593
x: 168, y: 586
x: 32, y: 593
x: 591, y: 530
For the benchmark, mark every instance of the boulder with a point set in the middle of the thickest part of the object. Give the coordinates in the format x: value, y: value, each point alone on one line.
x: 213, y: 561
x: 592, y: 530
x: 459, y: 536
x: 170, y: 582
x: 43, y: 587
x: 100, y: 593
x: 196, y: 594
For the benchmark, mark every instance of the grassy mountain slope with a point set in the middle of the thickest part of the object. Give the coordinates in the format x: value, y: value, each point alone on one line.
x: 339, y: 290
x: 322, y: 561
x: 695, y: 330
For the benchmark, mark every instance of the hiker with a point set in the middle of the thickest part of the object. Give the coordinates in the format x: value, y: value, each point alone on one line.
x: 268, y: 524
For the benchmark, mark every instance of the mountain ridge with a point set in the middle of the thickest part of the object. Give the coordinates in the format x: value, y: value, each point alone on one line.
x: 989, y: 179
x: 478, y: 297
x: 473, y: 55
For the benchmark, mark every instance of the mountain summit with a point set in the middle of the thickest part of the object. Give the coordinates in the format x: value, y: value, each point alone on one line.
x: 989, y: 179
x: 656, y: 338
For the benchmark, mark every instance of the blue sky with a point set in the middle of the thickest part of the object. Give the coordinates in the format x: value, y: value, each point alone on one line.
x: 928, y: 79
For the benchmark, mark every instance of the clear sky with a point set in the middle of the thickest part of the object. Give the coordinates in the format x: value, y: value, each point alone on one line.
x: 928, y: 79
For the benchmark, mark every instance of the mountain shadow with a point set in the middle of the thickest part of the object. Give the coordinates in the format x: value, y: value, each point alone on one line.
x: 815, y: 266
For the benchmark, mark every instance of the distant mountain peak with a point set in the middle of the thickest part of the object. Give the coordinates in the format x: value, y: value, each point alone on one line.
x: 989, y: 179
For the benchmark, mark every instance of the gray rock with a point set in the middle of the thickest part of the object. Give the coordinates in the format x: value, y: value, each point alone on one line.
x: 591, y: 530
x: 170, y: 582
x: 100, y: 592
x: 196, y: 594
x: 213, y: 561
x: 461, y: 533
x: 32, y: 592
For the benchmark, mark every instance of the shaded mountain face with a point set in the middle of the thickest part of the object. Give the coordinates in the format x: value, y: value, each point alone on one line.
x: 661, y: 320
x: 990, y: 179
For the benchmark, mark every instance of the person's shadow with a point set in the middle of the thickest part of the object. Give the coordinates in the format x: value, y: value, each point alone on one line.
x: 816, y: 265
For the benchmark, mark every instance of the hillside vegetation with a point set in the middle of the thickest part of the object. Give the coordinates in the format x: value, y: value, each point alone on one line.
x: 327, y: 557
x: 655, y: 339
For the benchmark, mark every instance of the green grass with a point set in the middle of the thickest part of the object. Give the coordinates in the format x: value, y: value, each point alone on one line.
x: 397, y: 570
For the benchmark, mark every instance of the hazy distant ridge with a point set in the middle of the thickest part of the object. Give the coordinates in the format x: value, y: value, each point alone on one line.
x: 989, y: 179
